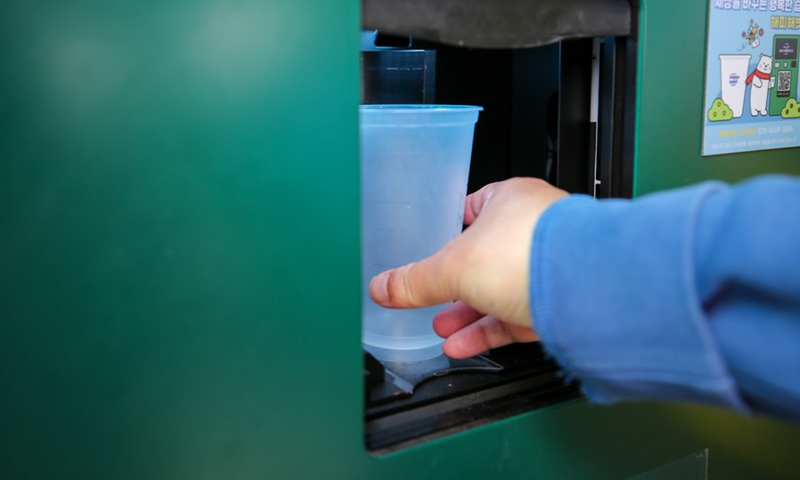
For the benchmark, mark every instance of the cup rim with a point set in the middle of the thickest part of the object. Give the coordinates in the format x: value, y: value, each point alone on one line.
x: 416, y: 107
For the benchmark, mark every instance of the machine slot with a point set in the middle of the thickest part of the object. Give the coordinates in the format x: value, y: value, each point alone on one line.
x: 562, y: 112
x: 459, y: 400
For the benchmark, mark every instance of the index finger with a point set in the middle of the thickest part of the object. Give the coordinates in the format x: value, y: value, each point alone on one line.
x: 476, y: 201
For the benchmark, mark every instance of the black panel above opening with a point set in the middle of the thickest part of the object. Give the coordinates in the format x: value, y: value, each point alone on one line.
x: 498, y: 23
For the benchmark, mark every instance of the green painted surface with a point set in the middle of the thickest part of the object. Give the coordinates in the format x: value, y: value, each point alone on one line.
x: 179, y: 255
x: 175, y: 267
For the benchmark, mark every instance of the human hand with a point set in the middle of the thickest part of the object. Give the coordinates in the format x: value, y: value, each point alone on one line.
x: 485, y: 271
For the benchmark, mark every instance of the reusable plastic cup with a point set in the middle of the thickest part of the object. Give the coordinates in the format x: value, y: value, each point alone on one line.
x: 414, y: 169
x: 733, y: 73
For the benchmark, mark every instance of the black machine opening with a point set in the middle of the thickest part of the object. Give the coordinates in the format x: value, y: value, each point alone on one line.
x: 562, y: 112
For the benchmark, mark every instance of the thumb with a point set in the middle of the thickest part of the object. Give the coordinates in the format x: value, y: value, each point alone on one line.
x: 431, y: 281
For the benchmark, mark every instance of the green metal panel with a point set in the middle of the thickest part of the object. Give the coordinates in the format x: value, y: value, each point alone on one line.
x: 179, y: 255
x: 179, y: 247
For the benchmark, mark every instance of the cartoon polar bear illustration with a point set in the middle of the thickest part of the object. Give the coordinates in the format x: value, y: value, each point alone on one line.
x: 760, y: 83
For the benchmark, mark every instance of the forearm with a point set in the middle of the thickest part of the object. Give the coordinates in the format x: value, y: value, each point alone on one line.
x: 621, y: 295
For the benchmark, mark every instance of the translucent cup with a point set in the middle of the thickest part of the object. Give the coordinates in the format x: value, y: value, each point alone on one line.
x: 733, y: 72
x: 414, y: 169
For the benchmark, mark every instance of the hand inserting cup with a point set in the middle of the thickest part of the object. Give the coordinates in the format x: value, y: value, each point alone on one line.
x: 485, y: 271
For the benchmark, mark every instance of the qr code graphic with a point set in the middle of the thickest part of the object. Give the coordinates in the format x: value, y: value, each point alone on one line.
x: 784, y: 81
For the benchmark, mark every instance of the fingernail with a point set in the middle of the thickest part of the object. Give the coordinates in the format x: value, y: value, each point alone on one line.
x: 379, y: 288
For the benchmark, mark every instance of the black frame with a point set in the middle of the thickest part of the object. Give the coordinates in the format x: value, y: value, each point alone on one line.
x: 512, y: 141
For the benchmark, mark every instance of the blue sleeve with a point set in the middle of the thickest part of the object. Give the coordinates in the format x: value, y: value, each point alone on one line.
x: 689, y: 295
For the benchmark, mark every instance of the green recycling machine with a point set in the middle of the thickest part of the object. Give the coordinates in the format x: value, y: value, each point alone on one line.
x: 180, y: 288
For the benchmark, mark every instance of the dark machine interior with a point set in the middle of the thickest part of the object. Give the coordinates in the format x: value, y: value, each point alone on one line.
x: 559, y: 111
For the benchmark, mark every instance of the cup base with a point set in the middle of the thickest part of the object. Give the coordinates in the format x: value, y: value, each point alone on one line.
x: 404, y: 355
